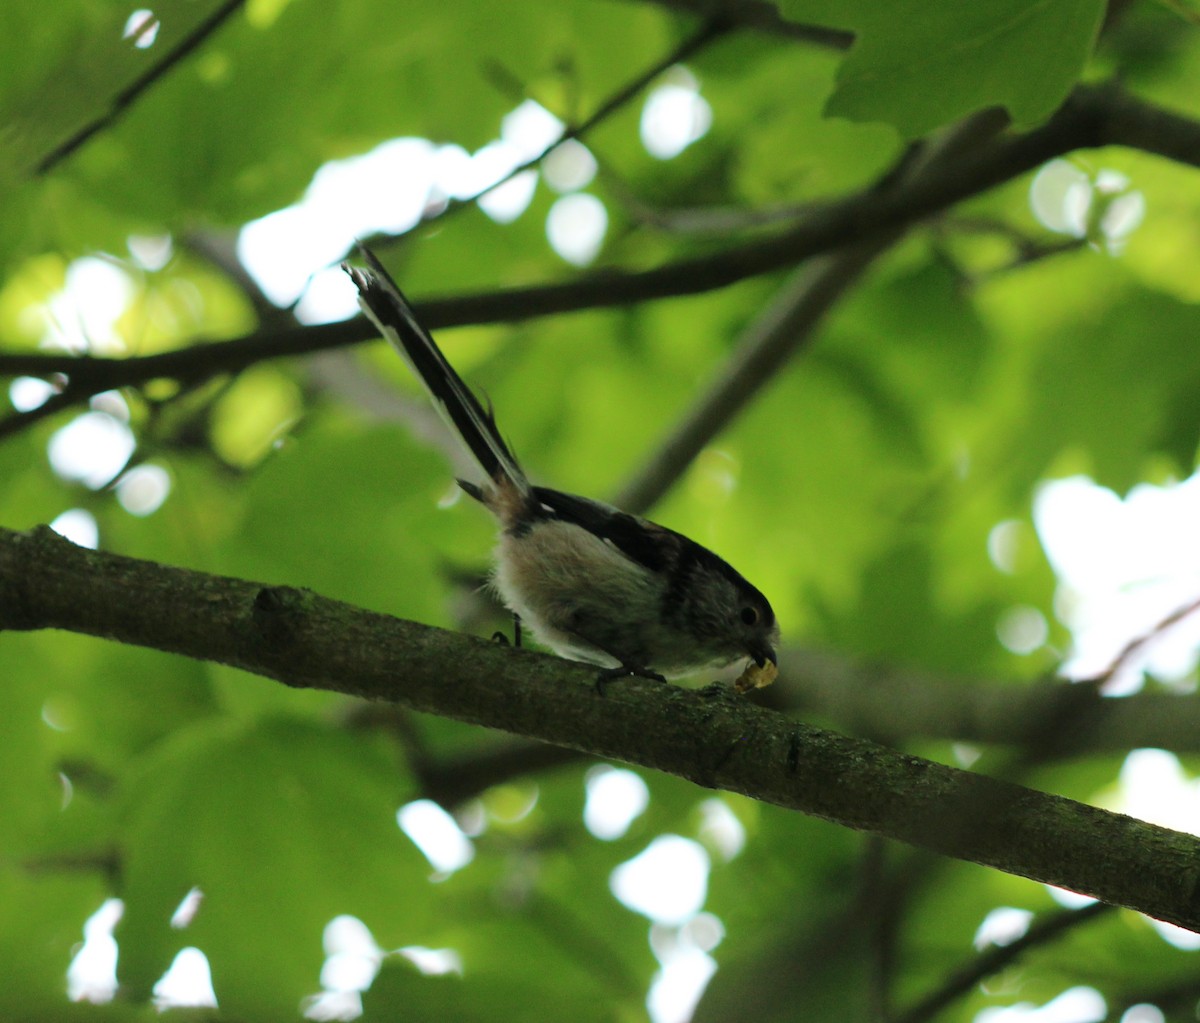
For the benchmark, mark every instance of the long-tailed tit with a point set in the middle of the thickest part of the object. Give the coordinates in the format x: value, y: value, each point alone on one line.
x: 592, y: 582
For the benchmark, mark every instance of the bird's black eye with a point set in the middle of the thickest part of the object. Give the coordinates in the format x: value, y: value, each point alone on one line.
x: 749, y: 616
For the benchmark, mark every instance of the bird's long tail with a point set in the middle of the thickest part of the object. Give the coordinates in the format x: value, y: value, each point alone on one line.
x: 386, y: 306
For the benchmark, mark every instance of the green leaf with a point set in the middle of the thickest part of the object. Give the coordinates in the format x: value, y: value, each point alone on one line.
x: 391, y: 544
x: 750, y: 80
x: 918, y: 66
x: 282, y: 827
x: 1110, y: 388
x: 42, y: 913
x: 31, y: 794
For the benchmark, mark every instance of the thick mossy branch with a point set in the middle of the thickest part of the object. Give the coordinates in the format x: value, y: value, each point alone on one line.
x: 710, y: 737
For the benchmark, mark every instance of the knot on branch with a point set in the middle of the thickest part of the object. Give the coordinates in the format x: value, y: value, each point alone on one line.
x: 277, y: 611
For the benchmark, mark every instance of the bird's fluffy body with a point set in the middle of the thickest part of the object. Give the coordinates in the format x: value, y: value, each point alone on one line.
x: 591, y: 582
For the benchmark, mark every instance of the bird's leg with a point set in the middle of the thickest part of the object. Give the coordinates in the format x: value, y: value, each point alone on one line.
x: 500, y: 637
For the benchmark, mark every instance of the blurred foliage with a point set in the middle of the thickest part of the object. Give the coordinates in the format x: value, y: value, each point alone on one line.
x: 859, y: 489
x: 968, y: 50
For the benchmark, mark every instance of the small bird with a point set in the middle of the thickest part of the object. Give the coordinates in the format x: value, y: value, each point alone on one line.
x: 591, y: 582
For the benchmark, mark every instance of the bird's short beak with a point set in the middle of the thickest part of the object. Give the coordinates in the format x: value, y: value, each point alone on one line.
x: 762, y: 654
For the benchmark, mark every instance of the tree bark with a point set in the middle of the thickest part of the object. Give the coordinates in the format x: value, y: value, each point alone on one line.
x: 710, y: 737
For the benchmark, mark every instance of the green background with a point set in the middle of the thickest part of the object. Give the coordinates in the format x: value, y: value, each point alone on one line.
x: 858, y: 490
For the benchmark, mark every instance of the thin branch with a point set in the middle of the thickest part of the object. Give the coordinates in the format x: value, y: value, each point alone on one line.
x: 60, y: 402
x: 710, y: 221
x: 792, y: 320
x: 774, y: 979
x: 882, y: 902
x: 709, y: 737
x: 1027, y: 249
x: 1093, y: 116
x: 219, y: 249
x: 713, y: 28
x: 88, y: 375
x: 1176, y: 1001
x: 1139, y: 643
x: 963, y: 981
x: 132, y: 92
x: 452, y: 780
x: 107, y: 863
x: 1027, y: 255
x: 777, y: 335
x: 833, y: 227
x: 909, y: 706
x: 1182, y: 11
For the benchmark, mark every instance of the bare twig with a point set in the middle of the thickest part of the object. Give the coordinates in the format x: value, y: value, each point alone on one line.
x: 713, y: 220
x: 132, y: 92
x: 786, y: 326
x: 452, y: 780
x: 1176, y: 1001
x: 828, y: 230
x: 879, y: 905
x: 1138, y: 644
x: 962, y: 981
x: 107, y: 863
x: 60, y: 402
x: 910, y: 705
x: 1093, y: 116
x: 791, y: 322
x: 88, y: 375
x: 713, y: 28
x: 220, y: 250
x: 1033, y: 252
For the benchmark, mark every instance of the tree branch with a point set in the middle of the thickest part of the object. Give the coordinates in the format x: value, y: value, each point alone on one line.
x: 132, y: 92
x: 1093, y: 116
x: 1048, y: 719
x: 1043, y: 722
x: 786, y: 325
x: 791, y: 322
x: 713, y: 28
x: 711, y: 737
x: 963, y: 981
